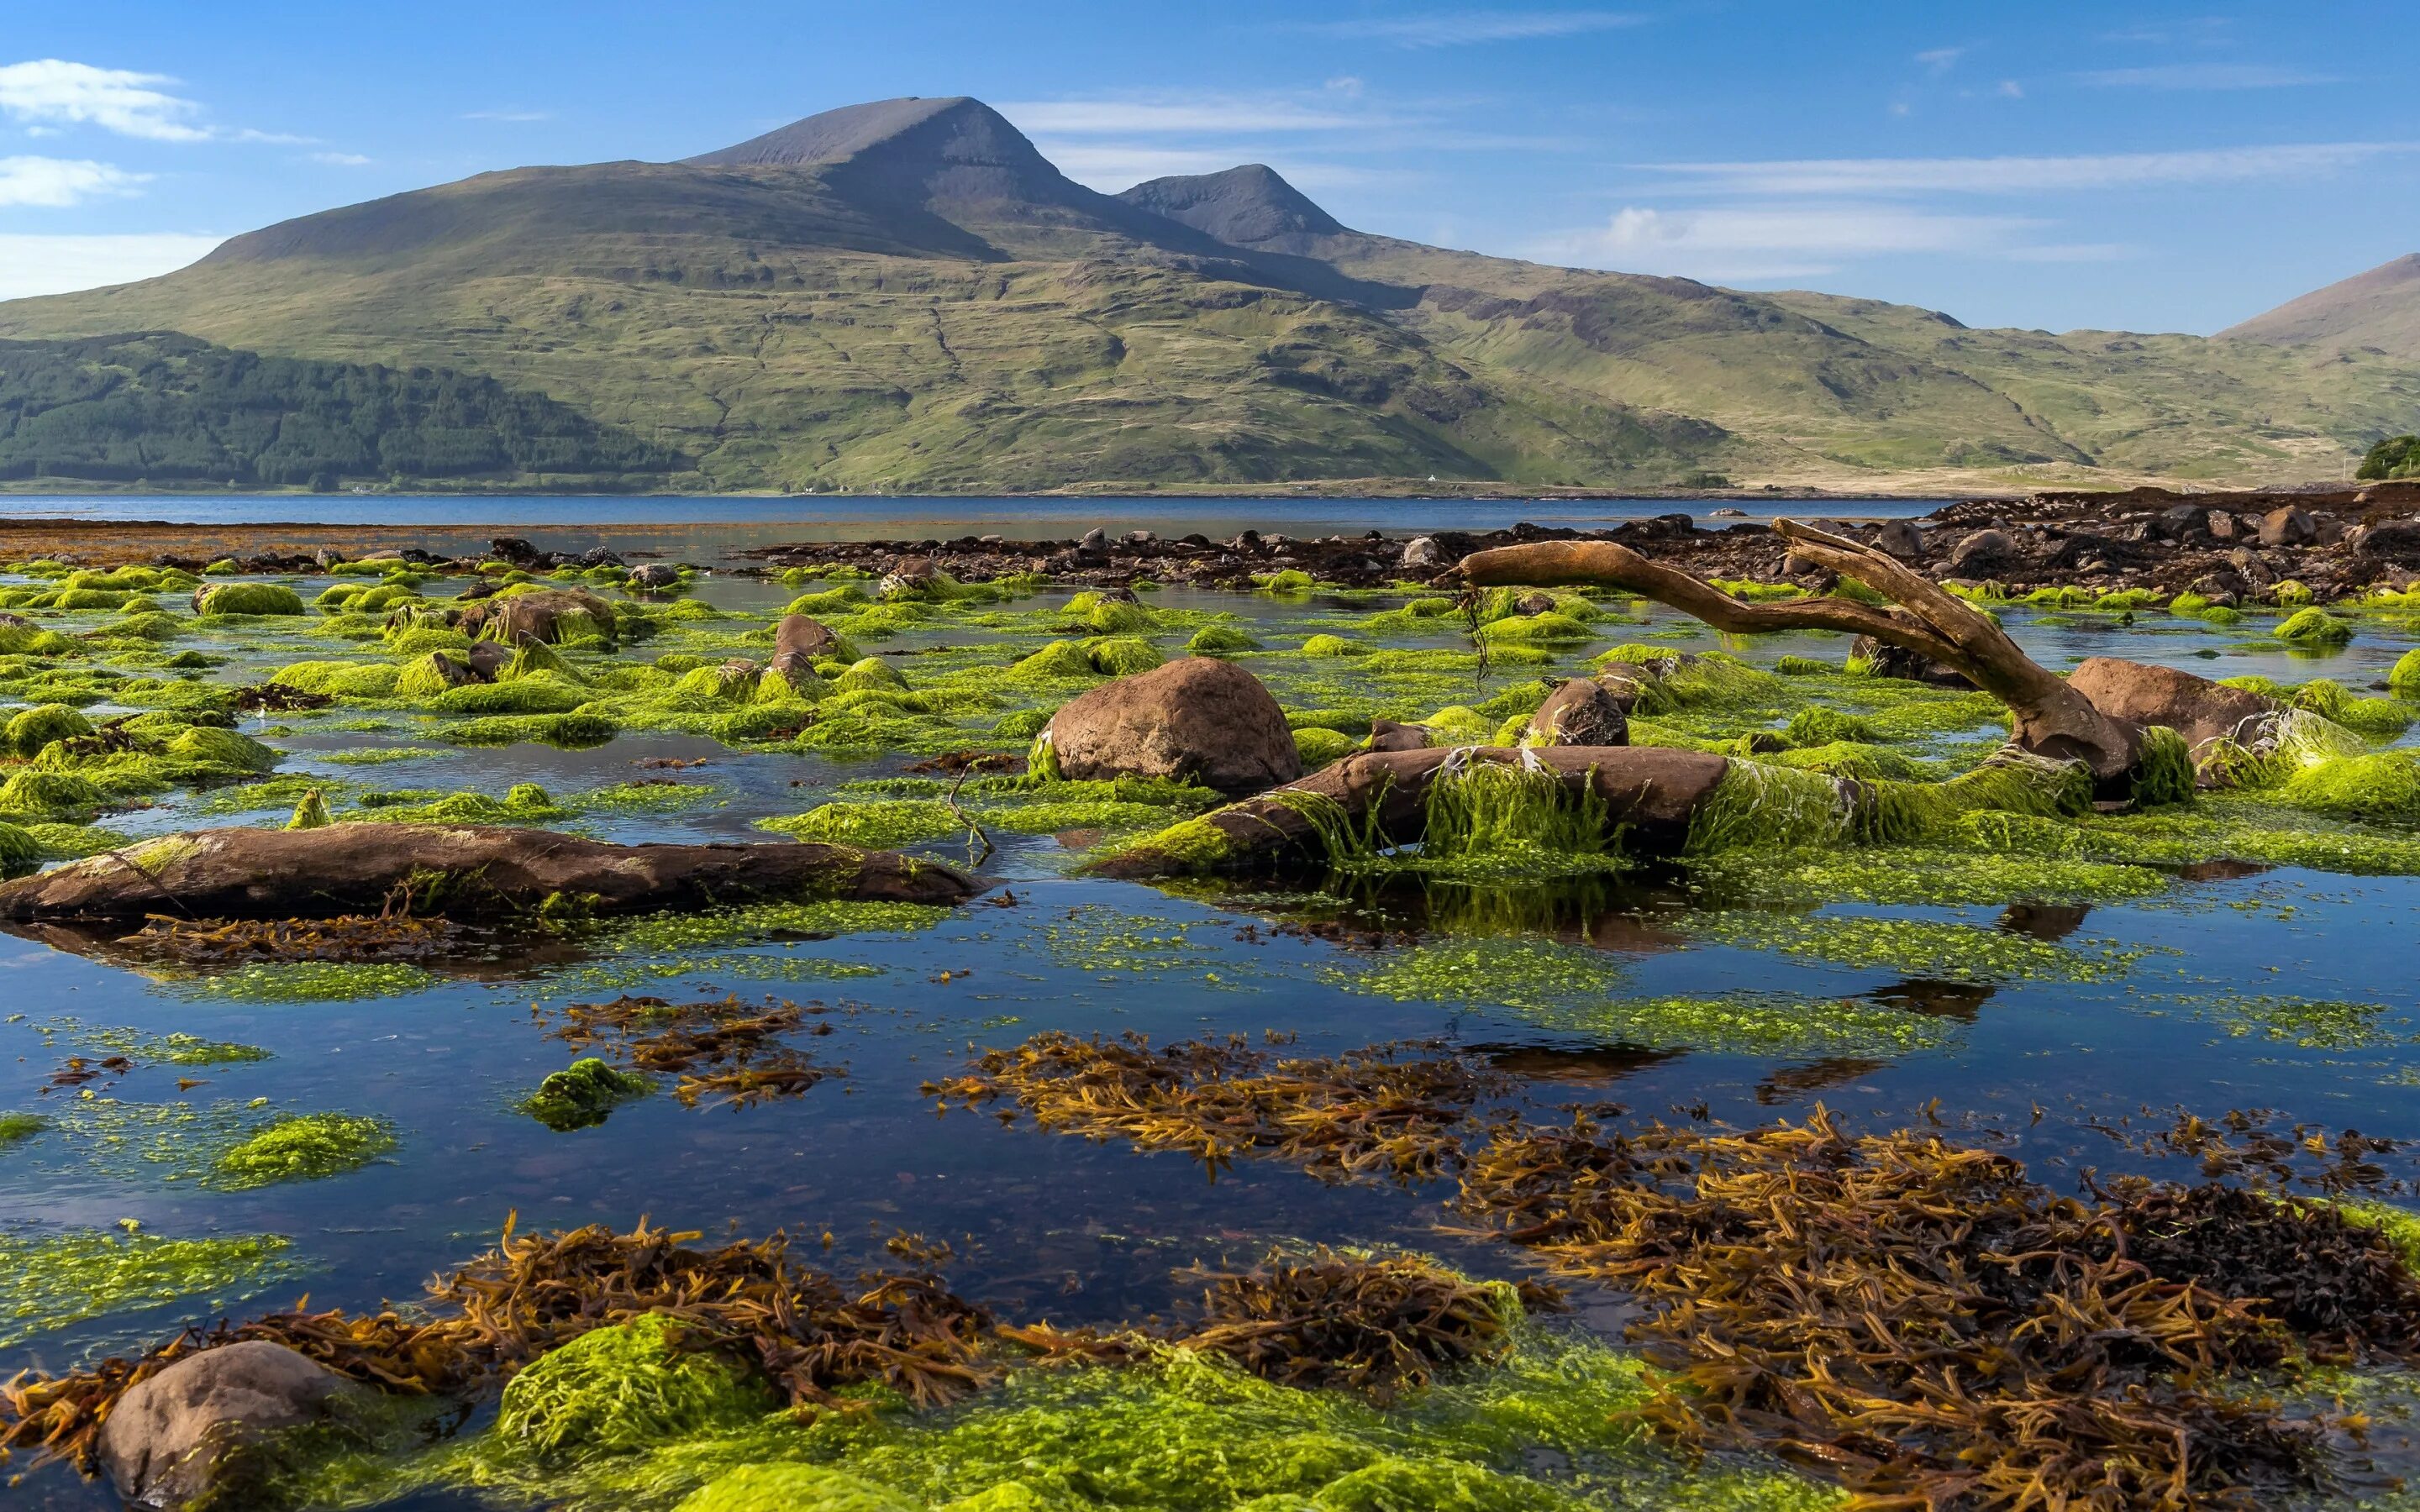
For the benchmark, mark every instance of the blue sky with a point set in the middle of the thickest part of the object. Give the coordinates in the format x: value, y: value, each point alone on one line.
x: 2049, y: 164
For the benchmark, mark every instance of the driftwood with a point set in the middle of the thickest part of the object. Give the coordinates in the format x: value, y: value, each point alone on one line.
x: 2052, y: 717
x: 473, y: 871
x: 1652, y: 791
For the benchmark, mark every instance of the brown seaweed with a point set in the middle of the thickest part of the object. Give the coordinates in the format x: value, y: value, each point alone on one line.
x: 723, y: 1051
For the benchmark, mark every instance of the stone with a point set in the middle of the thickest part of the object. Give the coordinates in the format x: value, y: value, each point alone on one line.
x: 907, y: 576
x: 655, y: 575
x: 1140, y: 537
x: 2184, y: 521
x: 1423, y: 552
x: 327, y: 557
x: 2390, y: 540
x: 1530, y: 605
x: 1385, y: 735
x: 2194, y: 707
x: 2256, y: 571
x: 1582, y: 711
x: 2327, y: 528
x: 1727, y: 511
x: 1982, y: 552
x: 1198, y: 721
x: 599, y: 556
x: 486, y: 660
x: 2223, y: 526
x: 2225, y: 587
x: 1095, y: 542
x: 2288, y: 526
x: 182, y: 1434
x: 538, y: 615
x: 1883, y: 659
x: 1901, y: 538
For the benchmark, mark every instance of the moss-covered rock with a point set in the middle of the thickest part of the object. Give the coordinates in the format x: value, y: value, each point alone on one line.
x: 627, y: 1387
x: 247, y: 598
x: 29, y: 730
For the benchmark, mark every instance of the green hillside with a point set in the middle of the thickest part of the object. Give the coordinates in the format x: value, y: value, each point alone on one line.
x: 907, y: 296
x: 166, y: 407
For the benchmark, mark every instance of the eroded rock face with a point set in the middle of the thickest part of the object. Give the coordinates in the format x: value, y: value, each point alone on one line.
x: 2194, y: 707
x: 482, y: 871
x: 1199, y: 720
x: 546, y: 614
x: 1582, y: 711
x: 182, y: 1433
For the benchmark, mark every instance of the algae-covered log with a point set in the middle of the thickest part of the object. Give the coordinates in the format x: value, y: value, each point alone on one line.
x: 470, y: 871
x: 1649, y: 793
x: 2052, y: 719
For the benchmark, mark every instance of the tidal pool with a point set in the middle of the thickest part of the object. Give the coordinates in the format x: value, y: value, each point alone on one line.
x: 2058, y: 988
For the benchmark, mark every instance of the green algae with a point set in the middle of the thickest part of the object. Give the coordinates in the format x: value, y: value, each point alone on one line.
x: 572, y: 732
x: 15, y: 1127
x: 537, y: 693
x: 305, y: 982
x: 303, y: 1147
x: 2313, y: 627
x: 1915, y: 946
x: 769, y: 921
x: 341, y: 679
x: 1543, y: 1431
x: 582, y: 1094
x: 49, y: 1282
x: 1318, y: 746
x: 876, y: 825
x: 1768, y: 1025
x: 20, y: 851
x: 2381, y: 785
x: 1226, y: 641
x: 29, y: 730
x: 1918, y: 876
x: 2306, y: 1024
x: 1122, y: 655
x: 250, y: 599
x: 625, y: 1387
x: 1524, y: 975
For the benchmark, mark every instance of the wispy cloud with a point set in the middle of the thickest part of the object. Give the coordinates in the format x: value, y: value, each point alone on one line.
x: 57, y: 182
x: 31, y: 264
x: 1940, y: 60
x: 341, y: 160
x: 2201, y: 76
x: 1769, y: 241
x: 517, y: 117
x: 49, y: 92
x: 2006, y: 175
x: 1462, y: 29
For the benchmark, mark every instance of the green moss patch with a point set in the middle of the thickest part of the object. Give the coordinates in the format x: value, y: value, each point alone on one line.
x: 582, y: 1094
x: 304, y: 1147
x: 49, y: 1282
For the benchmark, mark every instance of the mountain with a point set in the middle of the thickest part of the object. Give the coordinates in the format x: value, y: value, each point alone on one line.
x: 909, y: 295
x: 2378, y: 311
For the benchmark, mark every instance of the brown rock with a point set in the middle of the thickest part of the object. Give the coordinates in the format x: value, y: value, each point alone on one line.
x: 355, y: 868
x: 2249, y: 562
x: 1534, y: 605
x: 182, y: 1433
x: 1884, y: 660
x: 2194, y: 707
x: 1984, y: 551
x: 1901, y: 538
x: 1582, y: 711
x: 1199, y: 720
x: 798, y: 642
x: 2288, y: 526
x: 486, y: 660
x: 2391, y: 540
x: 1385, y: 735
x: 2223, y: 526
x: 538, y: 615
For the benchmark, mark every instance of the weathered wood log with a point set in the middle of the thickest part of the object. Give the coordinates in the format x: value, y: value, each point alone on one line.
x: 473, y: 871
x: 2052, y: 717
x: 1652, y: 791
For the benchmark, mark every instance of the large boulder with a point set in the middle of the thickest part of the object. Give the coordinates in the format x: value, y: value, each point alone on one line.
x: 2389, y: 540
x: 1981, y: 554
x: 1901, y: 538
x: 1582, y: 711
x: 2288, y: 525
x: 798, y: 642
x: 550, y: 615
x: 2194, y: 707
x: 184, y: 1433
x: 1197, y: 720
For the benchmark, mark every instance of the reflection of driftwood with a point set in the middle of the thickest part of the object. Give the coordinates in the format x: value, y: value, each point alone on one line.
x: 1651, y: 790
x: 465, y: 870
x: 2052, y: 719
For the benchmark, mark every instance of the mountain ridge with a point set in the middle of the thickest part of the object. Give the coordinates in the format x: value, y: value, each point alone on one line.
x: 908, y: 293
x: 2378, y: 308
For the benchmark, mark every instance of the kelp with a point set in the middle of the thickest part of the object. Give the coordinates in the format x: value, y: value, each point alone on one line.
x: 722, y: 1052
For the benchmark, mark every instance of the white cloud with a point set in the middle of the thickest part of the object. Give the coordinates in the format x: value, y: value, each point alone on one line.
x: 2201, y: 76
x: 2010, y: 89
x: 341, y: 160
x: 1068, y: 117
x: 60, y: 182
x: 31, y: 264
x: 2000, y: 176
x: 50, y: 92
x: 1456, y: 28
x: 1940, y: 59
x: 514, y: 116
x: 1768, y: 242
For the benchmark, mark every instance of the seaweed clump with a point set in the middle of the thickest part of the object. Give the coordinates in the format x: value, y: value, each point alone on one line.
x: 581, y: 1094
x: 723, y: 1051
x: 304, y: 1148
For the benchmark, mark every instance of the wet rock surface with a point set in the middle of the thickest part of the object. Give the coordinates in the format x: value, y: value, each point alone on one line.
x: 182, y: 1434
x: 1199, y: 720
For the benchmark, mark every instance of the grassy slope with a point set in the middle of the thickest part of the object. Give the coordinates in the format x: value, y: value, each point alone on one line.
x: 791, y: 339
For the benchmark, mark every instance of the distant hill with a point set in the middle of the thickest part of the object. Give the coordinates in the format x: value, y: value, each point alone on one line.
x: 2378, y: 311
x: 168, y: 408
x: 906, y: 295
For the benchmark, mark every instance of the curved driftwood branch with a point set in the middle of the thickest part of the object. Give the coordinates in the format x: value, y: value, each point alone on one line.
x: 2052, y: 719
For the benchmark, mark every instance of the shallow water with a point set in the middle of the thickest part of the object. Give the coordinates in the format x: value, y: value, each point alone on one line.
x: 2169, y: 1012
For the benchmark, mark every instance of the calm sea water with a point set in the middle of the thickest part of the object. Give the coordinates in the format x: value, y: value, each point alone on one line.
x: 1058, y: 1226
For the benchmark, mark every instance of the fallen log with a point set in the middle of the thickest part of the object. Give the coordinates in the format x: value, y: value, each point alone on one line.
x: 2053, y: 716
x: 1651, y: 792
x: 474, y: 871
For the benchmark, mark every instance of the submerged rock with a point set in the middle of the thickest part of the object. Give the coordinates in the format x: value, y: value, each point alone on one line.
x: 185, y: 1433
x: 1195, y: 720
x: 476, y: 871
